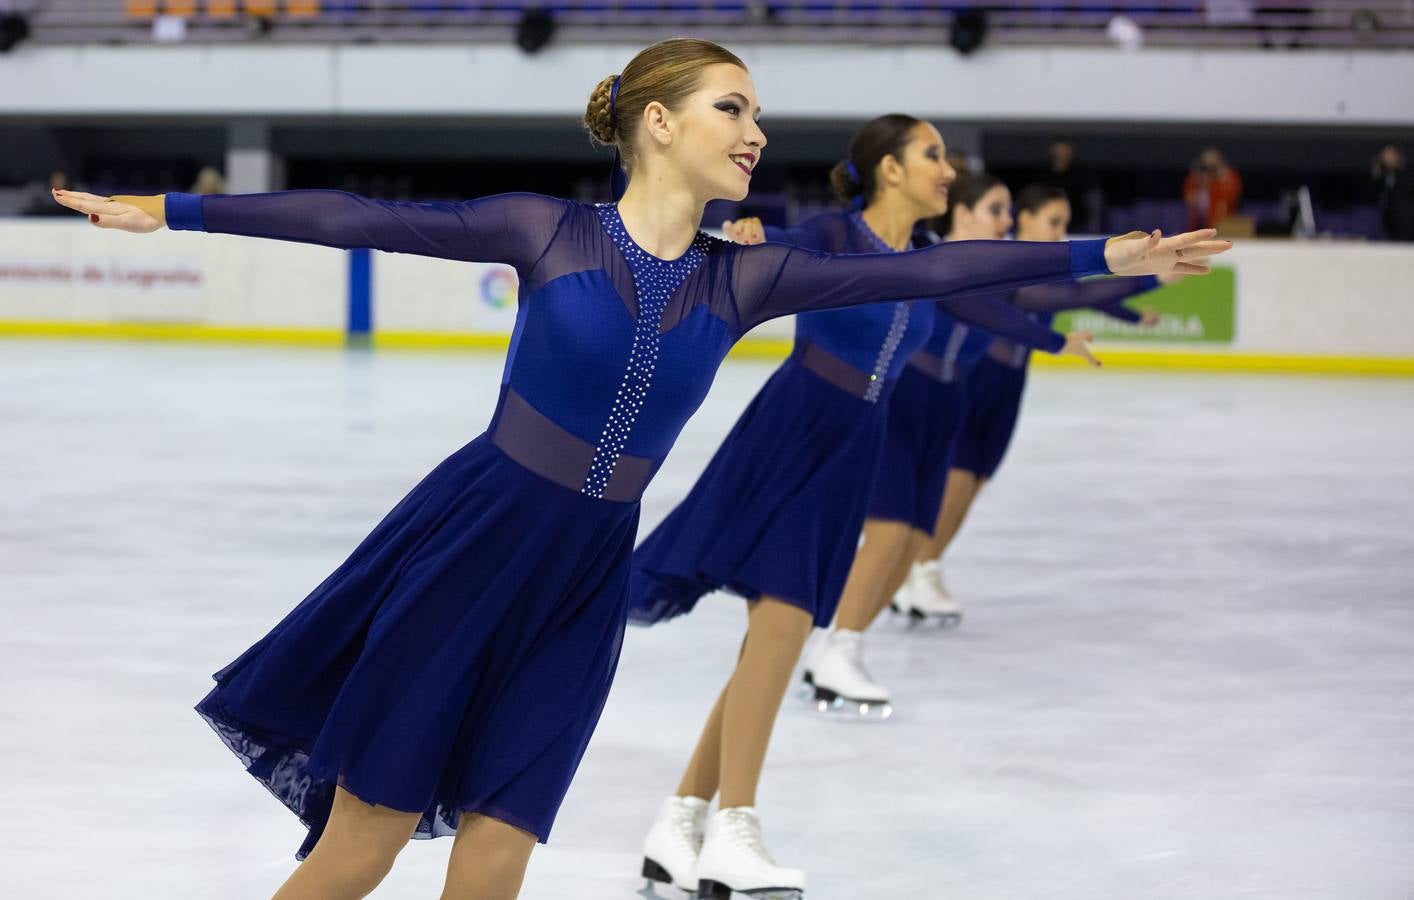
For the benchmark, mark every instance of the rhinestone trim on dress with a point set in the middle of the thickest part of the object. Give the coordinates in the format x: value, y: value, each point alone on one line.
x: 654, y: 282
x: 897, y: 326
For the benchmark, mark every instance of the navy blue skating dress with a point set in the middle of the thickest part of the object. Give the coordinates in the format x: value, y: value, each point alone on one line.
x: 459, y: 659
x: 996, y: 384
x: 778, y: 509
x: 925, y: 414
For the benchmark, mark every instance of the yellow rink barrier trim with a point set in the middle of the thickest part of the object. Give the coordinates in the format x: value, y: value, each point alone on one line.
x: 433, y: 340
x: 172, y: 331
x: 764, y: 349
x: 1198, y: 360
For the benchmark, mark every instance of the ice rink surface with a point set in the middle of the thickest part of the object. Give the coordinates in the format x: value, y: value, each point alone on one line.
x: 1186, y: 668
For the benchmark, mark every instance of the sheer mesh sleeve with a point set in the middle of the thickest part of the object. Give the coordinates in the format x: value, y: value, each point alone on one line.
x: 996, y: 314
x: 794, y: 235
x: 823, y: 232
x: 1053, y: 298
x: 1118, y: 310
x: 772, y: 280
x: 506, y: 228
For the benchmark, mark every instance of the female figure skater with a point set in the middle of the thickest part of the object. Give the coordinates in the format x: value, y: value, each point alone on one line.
x: 929, y: 414
x: 775, y: 516
x: 446, y: 678
x: 996, y: 385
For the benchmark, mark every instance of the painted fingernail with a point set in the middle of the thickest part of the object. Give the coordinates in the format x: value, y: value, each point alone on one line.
x: 93, y: 217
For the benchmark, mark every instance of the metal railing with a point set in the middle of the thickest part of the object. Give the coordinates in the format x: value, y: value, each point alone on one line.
x: 1283, y: 24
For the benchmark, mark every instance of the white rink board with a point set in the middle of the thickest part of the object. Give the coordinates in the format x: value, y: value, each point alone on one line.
x: 1314, y: 299
x: 216, y: 280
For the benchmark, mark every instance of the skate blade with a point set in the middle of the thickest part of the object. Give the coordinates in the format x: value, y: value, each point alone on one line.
x: 843, y: 708
x: 655, y: 877
x: 712, y: 890
x: 806, y: 687
x: 912, y: 618
x: 915, y: 619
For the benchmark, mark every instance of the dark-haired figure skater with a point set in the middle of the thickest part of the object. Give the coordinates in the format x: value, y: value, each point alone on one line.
x: 775, y: 516
x: 939, y: 406
x: 446, y: 678
x: 996, y: 385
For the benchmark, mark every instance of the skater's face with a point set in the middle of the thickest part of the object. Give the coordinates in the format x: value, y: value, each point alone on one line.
x: 923, y: 175
x: 989, y: 219
x: 1049, y: 223
x: 712, y: 138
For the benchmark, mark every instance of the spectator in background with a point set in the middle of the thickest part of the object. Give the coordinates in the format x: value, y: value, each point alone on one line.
x: 1394, y: 191
x: 43, y: 205
x: 1212, y: 190
x: 209, y: 181
x: 1080, y: 186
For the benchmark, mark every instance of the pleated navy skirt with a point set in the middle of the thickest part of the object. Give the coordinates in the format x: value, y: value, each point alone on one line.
x: 994, y: 392
x: 458, y: 661
x: 925, y: 416
x: 778, y: 510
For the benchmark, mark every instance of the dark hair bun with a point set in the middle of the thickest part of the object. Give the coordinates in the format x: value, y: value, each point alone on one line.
x: 845, y: 185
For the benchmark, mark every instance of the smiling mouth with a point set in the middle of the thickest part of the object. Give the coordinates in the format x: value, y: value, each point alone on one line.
x: 744, y: 161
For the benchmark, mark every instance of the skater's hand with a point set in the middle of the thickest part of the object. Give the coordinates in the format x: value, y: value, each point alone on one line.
x: 1148, y: 318
x: 1138, y: 253
x: 1077, y: 343
x: 139, y: 215
x: 745, y: 231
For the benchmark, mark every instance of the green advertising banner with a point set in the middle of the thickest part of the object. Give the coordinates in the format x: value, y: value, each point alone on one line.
x: 1195, y: 310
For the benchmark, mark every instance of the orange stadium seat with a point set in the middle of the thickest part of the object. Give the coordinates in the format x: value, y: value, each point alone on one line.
x: 260, y: 7
x: 140, y: 9
x: 221, y: 9
x: 184, y: 8
x: 302, y: 8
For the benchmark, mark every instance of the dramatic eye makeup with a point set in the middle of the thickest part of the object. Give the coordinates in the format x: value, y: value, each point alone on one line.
x: 734, y: 104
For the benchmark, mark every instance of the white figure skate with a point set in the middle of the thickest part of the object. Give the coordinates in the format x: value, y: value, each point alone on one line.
x: 734, y: 861
x: 925, y: 598
x: 842, y: 684
x: 673, y: 843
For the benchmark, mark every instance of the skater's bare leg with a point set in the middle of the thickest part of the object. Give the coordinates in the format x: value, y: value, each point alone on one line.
x: 355, y: 852
x: 962, y: 488
x: 704, y: 770
x: 917, y: 541
x: 775, y: 635
x: 488, y: 859
x: 867, y: 589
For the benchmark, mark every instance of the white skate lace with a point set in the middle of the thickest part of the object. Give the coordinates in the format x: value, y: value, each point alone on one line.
x: 684, y: 827
x: 852, y: 648
x: 933, y: 574
x: 744, y: 830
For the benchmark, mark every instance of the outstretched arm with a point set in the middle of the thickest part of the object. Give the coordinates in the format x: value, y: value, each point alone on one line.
x: 995, y: 313
x: 1117, y: 310
x: 506, y: 228
x: 1054, y: 298
x: 771, y: 280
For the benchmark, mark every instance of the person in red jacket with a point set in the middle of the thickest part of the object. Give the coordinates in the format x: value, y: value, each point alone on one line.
x: 1212, y: 189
